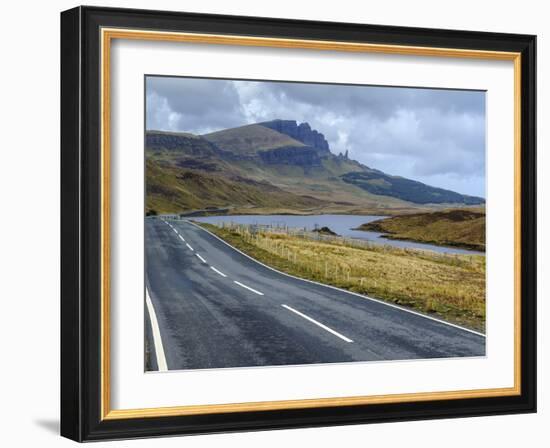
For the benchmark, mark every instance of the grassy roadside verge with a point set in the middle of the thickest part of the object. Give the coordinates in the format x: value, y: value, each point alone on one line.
x: 449, y: 287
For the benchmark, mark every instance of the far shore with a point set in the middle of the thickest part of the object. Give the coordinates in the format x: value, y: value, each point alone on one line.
x: 389, y: 236
x: 457, y: 227
x: 355, y: 211
x: 399, y: 224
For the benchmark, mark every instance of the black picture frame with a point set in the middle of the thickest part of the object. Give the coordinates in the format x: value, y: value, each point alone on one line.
x: 81, y: 224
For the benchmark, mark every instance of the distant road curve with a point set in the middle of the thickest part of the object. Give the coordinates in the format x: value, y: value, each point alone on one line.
x: 216, y: 307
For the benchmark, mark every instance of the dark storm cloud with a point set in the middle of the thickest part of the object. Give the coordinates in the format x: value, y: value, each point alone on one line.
x: 194, y: 105
x: 435, y: 136
x: 381, y: 100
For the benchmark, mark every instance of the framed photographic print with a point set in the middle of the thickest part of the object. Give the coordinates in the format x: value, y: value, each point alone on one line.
x: 274, y: 223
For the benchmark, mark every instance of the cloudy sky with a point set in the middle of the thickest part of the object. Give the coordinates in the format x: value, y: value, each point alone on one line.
x: 434, y: 136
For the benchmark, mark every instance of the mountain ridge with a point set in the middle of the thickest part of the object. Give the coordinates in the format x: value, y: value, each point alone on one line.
x: 293, y: 158
x: 301, y: 132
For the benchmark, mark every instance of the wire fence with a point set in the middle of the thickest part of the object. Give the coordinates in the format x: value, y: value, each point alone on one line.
x: 249, y: 231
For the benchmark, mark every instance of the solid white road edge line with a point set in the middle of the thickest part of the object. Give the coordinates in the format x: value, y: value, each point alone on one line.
x: 200, y: 258
x: 187, y: 244
x: 324, y: 327
x: 249, y: 288
x: 157, y: 339
x: 218, y: 272
x: 391, y: 305
x: 182, y: 238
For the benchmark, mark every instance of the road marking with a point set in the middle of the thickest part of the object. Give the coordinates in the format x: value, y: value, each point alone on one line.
x: 201, y: 259
x: 187, y: 244
x: 175, y: 231
x: 218, y: 272
x: 249, y: 288
x: 157, y: 339
x: 391, y: 305
x: 182, y: 238
x: 324, y: 327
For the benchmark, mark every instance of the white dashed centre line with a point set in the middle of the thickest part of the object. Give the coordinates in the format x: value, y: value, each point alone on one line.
x: 249, y: 288
x: 217, y: 272
x: 182, y: 238
x: 190, y: 248
x: 319, y: 324
x: 200, y: 258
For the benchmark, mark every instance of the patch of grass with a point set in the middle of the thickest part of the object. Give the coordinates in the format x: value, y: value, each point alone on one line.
x: 455, y: 227
x: 381, y: 183
x: 451, y: 287
x: 170, y: 189
x: 250, y: 139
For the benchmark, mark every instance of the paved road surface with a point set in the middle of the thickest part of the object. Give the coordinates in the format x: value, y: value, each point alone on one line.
x: 214, y: 307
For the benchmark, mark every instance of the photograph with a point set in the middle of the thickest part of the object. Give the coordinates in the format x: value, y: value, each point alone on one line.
x: 299, y: 223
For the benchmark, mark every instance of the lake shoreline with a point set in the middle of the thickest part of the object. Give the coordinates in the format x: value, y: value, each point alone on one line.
x: 239, y: 212
x: 343, y: 225
x: 462, y: 228
x: 389, y: 236
x: 345, y: 210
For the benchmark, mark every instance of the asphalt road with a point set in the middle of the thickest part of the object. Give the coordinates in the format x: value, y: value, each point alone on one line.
x: 215, y: 307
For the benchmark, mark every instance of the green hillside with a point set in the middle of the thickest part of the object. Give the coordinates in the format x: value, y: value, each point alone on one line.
x: 186, y: 151
x: 171, y: 189
x: 250, y: 139
x: 379, y: 183
x: 457, y: 227
x: 295, y: 174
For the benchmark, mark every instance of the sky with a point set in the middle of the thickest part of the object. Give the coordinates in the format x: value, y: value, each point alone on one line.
x: 434, y: 136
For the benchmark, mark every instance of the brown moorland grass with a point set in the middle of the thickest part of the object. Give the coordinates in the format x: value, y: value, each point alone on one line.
x: 451, y: 287
x: 455, y: 227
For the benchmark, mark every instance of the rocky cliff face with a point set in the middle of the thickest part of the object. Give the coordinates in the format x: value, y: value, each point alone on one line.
x: 303, y: 156
x: 301, y: 132
x: 191, y: 145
